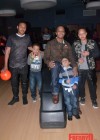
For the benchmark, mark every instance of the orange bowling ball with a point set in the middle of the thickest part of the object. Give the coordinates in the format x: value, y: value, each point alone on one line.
x: 5, y: 75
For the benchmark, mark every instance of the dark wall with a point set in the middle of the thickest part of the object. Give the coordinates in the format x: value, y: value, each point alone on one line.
x: 50, y: 18
x: 3, y: 26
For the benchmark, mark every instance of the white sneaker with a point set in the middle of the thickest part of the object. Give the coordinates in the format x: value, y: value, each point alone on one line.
x: 82, y: 101
x: 34, y: 99
x: 95, y: 104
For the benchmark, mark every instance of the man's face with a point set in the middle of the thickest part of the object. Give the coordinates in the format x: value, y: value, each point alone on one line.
x: 82, y: 34
x: 21, y: 28
x: 60, y: 32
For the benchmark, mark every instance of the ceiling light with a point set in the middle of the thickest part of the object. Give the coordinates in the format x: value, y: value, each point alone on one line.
x: 7, y: 12
x: 37, y: 4
x: 93, y: 5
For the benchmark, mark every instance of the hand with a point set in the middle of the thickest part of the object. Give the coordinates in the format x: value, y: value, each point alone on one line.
x: 74, y: 87
x: 80, y: 60
x: 4, y: 69
x: 51, y: 64
x: 34, y: 54
x: 75, y: 71
x: 85, y: 53
x: 68, y: 81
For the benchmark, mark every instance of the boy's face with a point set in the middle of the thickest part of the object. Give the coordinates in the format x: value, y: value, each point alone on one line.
x: 65, y: 62
x: 36, y: 50
x: 82, y: 34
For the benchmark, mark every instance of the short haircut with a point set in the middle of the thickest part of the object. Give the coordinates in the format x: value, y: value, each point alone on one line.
x: 36, y: 44
x: 59, y: 26
x: 82, y: 28
x: 66, y: 58
x: 21, y: 22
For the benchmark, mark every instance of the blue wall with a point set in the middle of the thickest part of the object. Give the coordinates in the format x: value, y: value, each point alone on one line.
x: 49, y: 18
x: 73, y: 15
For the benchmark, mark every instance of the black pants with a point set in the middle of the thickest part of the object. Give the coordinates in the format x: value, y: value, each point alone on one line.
x: 17, y: 74
x: 90, y: 76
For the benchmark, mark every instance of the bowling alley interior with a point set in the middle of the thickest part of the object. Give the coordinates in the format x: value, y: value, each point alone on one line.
x: 44, y: 115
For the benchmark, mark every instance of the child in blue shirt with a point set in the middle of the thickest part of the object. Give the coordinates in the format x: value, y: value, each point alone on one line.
x: 70, y: 89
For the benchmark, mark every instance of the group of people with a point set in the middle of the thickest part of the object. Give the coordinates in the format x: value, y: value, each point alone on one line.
x: 70, y: 67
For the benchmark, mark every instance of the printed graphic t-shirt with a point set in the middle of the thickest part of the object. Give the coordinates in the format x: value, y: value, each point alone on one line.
x: 35, y: 63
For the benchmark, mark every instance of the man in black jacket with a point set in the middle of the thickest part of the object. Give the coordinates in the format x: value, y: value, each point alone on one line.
x: 86, y: 50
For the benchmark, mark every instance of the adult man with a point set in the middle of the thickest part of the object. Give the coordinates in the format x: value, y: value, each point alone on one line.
x: 86, y: 51
x: 16, y: 53
x: 56, y: 49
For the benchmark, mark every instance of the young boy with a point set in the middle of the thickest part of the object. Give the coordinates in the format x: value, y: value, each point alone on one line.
x: 70, y: 89
x: 85, y: 51
x: 35, y: 77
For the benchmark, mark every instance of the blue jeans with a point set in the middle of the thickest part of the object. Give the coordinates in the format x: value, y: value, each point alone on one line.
x: 55, y: 78
x: 35, y: 80
x: 71, y: 102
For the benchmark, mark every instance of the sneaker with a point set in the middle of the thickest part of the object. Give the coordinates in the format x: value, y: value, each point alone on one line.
x: 34, y: 99
x: 77, y: 116
x: 14, y: 100
x: 94, y: 104
x: 82, y: 101
x: 70, y: 118
x: 25, y: 101
x: 39, y: 98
